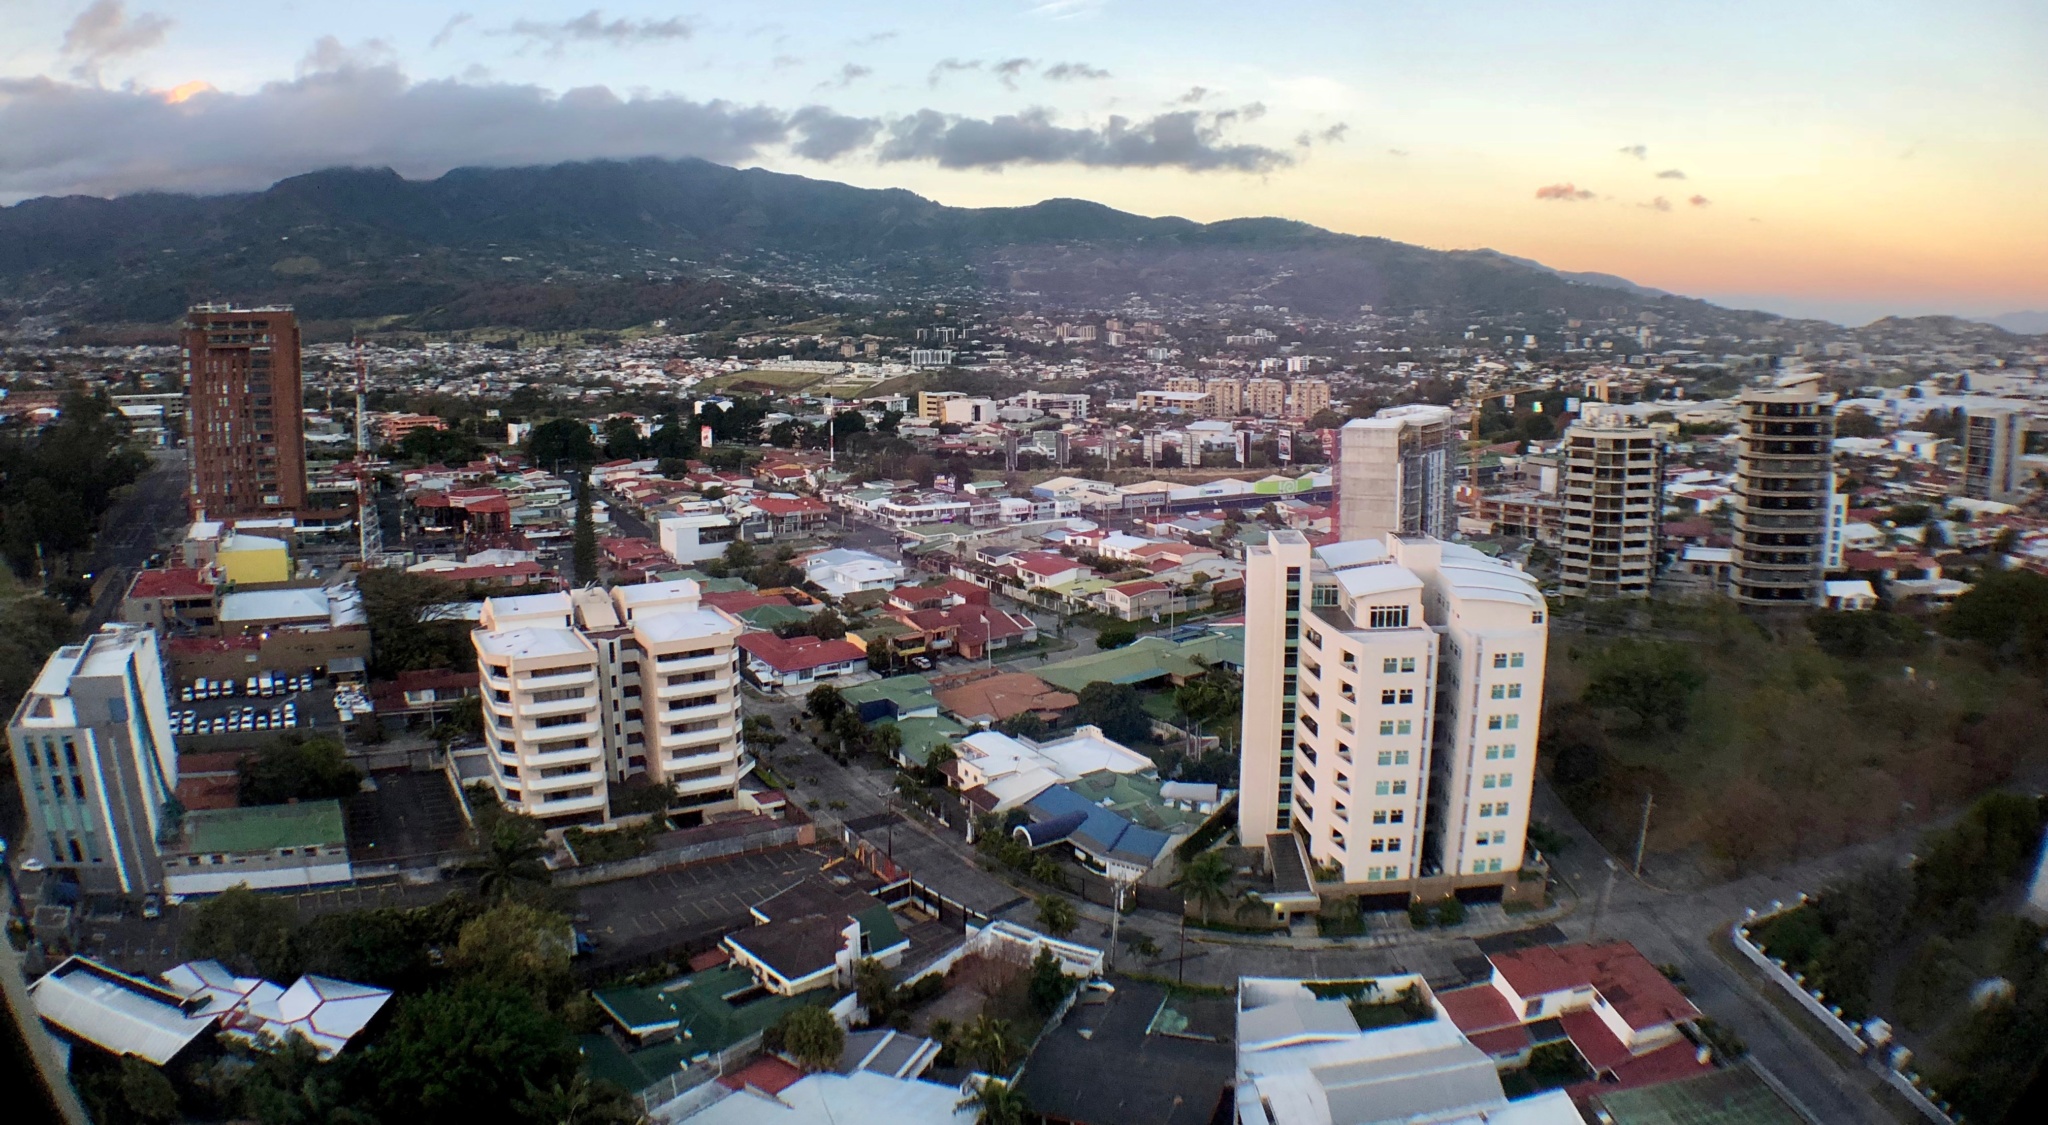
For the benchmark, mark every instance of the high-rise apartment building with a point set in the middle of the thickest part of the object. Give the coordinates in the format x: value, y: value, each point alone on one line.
x: 1226, y: 397
x: 1308, y: 398
x: 243, y: 423
x: 1264, y: 398
x: 1994, y: 441
x: 97, y: 762
x: 1396, y: 474
x: 1392, y: 692
x: 586, y: 690
x: 1784, y: 484
x: 1612, y: 496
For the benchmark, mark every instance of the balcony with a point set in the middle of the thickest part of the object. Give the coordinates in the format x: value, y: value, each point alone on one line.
x: 573, y: 806
x: 719, y: 733
x: 717, y: 709
x: 547, y: 678
x: 588, y: 728
x: 537, y: 760
x: 532, y: 710
x: 536, y: 783
x: 712, y: 662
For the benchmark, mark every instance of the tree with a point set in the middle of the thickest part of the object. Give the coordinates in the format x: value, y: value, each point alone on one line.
x: 1049, y: 983
x: 1115, y: 636
x: 812, y: 1037
x: 996, y: 1102
x: 146, y: 1093
x: 1057, y: 915
x: 512, y: 858
x: 2007, y: 612
x: 467, y: 1053
x: 875, y: 987
x: 296, y: 768
x: 585, y: 548
x: 1116, y: 708
x: 581, y: 1100
x: 824, y: 704
x: 560, y: 440
x: 1025, y: 724
x: 1651, y: 679
x: 409, y: 629
x: 1215, y: 696
x: 1205, y: 881
x: 518, y: 946
x: 285, y: 1083
x: 246, y: 931
x: 990, y: 1042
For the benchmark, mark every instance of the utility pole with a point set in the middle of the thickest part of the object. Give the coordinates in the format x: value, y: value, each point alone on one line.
x: 1600, y: 910
x: 1643, y: 836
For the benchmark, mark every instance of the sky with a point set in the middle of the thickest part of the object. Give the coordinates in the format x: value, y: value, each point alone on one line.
x: 1815, y: 157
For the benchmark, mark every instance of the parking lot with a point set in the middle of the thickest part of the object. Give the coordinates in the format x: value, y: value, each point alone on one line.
x: 297, y: 702
x: 408, y: 818
x: 635, y: 918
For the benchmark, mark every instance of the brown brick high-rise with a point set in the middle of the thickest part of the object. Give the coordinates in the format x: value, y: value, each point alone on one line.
x: 247, y: 435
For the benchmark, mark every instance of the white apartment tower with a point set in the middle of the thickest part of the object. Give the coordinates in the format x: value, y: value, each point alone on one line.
x: 1392, y: 695
x: 97, y: 763
x: 586, y: 690
x: 1396, y: 473
x: 1613, y: 499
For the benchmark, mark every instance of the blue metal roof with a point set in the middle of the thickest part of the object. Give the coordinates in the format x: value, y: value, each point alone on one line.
x: 1101, y: 833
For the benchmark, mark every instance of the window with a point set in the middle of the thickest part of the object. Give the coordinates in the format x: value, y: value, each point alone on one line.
x: 1388, y: 617
x: 1393, y: 843
x: 1500, y: 837
x: 1500, y: 809
x: 1386, y: 726
x: 1486, y: 810
x: 1407, y: 695
x: 1507, y: 660
x: 1309, y: 783
x: 1381, y: 788
x: 1503, y: 722
x: 1534, y: 1009
x: 1400, y: 787
x: 1493, y: 753
x: 1493, y: 865
x: 1379, y: 816
x: 1388, y: 696
x: 1507, y: 750
x: 1507, y: 691
x: 1314, y: 637
x: 1401, y: 756
x: 1386, y: 758
x: 1314, y: 700
x: 1514, y: 722
x: 1397, y: 816
x: 1379, y: 845
x: 1390, y: 665
x: 1486, y: 782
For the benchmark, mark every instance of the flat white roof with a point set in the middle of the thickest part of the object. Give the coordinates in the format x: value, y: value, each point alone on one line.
x: 274, y: 605
x: 1369, y: 581
x: 684, y: 624
x: 117, y: 1012
x: 835, y: 1099
x: 533, y: 643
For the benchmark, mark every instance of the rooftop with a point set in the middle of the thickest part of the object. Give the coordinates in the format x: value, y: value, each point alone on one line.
x: 265, y: 828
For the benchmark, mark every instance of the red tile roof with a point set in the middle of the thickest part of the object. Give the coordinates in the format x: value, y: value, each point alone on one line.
x: 1502, y: 1043
x: 1672, y: 1063
x: 797, y: 506
x: 1602, y: 1050
x: 1478, y: 1007
x: 797, y: 654
x: 171, y: 582
x: 1624, y: 977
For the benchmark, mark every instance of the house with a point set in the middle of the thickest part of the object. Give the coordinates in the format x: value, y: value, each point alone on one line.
x: 812, y: 935
x: 841, y: 572
x: 172, y: 599
x: 696, y: 536
x: 325, y: 1012
x: 1134, y: 601
x: 1005, y: 695
x: 969, y: 632
x: 1850, y: 594
x: 779, y: 517
x: 1039, y: 570
x: 121, y: 1015
x: 261, y: 846
x: 1619, y: 1012
x: 1362, y: 1052
x: 826, y: 1098
x: 795, y: 663
x: 997, y: 772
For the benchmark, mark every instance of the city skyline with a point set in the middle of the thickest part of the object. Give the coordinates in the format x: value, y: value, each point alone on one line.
x: 1810, y: 159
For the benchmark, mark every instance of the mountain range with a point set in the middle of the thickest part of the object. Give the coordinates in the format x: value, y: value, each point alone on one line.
x: 593, y: 244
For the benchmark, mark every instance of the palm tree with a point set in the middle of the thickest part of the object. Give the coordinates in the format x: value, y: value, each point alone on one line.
x: 996, y: 1102
x: 990, y: 1042
x: 512, y: 858
x: 1057, y: 915
x: 1205, y: 880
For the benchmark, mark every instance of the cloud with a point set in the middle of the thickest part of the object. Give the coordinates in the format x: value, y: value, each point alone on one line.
x: 1194, y: 94
x: 1397, y: 152
x: 784, y: 62
x: 944, y: 67
x: 1334, y: 133
x: 876, y: 37
x: 1671, y: 174
x: 328, y: 54
x: 1658, y: 204
x: 592, y: 27
x: 1700, y: 201
x: 847, y: 76
x: 1065, y: 9
x: 821, y: 134
x: 447, y: 31
x: 1074, y: 72
x: 1563, y: 193
x: 1187, y: 140
x: 103, y: 33
x: 62, y: 138
x: 1009, y: 70
x: 1640, y: 152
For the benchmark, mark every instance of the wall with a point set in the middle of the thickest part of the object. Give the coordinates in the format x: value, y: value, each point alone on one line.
x: 212, y: 879
x: 1902, y: 1082
x: 794, y: 835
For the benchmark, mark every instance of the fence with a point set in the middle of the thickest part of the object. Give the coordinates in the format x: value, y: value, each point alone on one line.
x: 692, y: 1088
x: 1905, y: 1082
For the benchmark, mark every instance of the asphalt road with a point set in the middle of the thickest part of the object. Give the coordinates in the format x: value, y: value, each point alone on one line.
x: 132, y: 531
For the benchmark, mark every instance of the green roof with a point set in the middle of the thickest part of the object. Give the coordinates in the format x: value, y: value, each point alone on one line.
x: 1136, y: 798
x: 880, y: 925
x: 1150, y: 658
x: 634, y: 1071
x: 909, y: 692
x: 266, y: 828
x: 921, y: 735
x: 769, y: 616
x: 697, y: 1004
x: 1736, y: 1096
